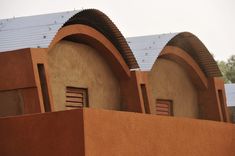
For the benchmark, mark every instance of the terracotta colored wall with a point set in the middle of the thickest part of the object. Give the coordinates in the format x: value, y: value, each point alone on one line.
x: 19, y: 101
x: 121, y: 133
x: 47, y: 134
x: 11, y: 103
x: 209, y: 101
x: 168, y: 80
x: 131, y: 93
x: 18, y: 94
x: 16, y: 70
x: 31, y: 100
x: 113, y: 133
x: 39, y: 56
x: 78, y: 65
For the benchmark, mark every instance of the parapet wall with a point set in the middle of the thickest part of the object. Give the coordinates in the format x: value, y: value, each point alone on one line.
x: 47, y: 134
x: 120, y: 133
x: 94, y: 132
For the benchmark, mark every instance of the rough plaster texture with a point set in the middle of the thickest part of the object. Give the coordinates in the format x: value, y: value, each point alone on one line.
x: 168, y: 80
x: 11, y: 103
x: 16, y: 70
x: 135, y: 134
x: 96, y: 132
x: 44, y: 134
x: 78, y: 65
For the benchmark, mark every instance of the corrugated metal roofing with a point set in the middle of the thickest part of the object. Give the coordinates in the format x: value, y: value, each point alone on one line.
x: 102, y: 23
x: 32, y: 31
x: 230, y: 94
x: 146, y: 49
x: 38, y: 31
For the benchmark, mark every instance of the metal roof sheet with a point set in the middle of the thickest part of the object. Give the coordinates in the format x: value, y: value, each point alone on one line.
x: 32, y: 31
x: 146, y: 49
x: 230, y: 94
x: 38, y: 31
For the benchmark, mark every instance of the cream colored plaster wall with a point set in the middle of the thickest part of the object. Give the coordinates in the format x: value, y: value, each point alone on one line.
x: 168, y: 80
x: 79, y: 65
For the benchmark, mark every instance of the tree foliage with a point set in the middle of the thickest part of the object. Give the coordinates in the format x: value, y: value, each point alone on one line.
x: 228, y: 69
x: 230, y: 74
x: 223, y: 68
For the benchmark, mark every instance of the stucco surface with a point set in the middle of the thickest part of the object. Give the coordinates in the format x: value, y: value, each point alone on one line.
x: 168, y: 80
x: 134, y: 134
x: 79, y: 65
x: 11, y: 103
x: 96, y: 132
x: 43, y: 134
x: 16, y: 70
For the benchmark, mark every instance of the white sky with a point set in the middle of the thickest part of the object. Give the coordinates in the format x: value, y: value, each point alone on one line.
x: 213, y: 21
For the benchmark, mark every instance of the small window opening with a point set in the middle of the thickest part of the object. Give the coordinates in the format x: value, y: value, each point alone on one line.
x: 76, y: 97
x: 44, y: 87
x: 164, y: 107
x: 222, y: 105
x: 145, y: 98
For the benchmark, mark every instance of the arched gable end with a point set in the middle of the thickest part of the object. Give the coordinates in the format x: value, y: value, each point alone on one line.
x: 88, y: 35
x: 102, y: 23
x: 197, y: 50
x: 181, y: 57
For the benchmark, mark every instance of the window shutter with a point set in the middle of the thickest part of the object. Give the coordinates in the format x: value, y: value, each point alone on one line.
x: 164, y: 107
x: 76, y: 97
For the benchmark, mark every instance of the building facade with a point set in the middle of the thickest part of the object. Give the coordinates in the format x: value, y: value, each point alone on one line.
x: 80, y: 59
x: 88, y: 91
x: 182, y: 75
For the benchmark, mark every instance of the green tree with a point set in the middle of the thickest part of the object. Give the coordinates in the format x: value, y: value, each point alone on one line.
x: 228, y: 69
x: 230, y: 74
x: 224, y: 69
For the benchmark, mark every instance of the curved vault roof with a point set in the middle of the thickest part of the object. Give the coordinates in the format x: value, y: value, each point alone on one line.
x: 38, y: 31
x: 147, y: 48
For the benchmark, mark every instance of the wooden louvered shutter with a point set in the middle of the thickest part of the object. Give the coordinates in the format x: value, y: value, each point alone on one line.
x: 76, y: 97
x: 164, y: 107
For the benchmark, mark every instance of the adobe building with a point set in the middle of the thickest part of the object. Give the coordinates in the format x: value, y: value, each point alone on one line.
x: 65, y: 60
x: 70, y: 84
x: 80, y: 59
x: 182, y: 76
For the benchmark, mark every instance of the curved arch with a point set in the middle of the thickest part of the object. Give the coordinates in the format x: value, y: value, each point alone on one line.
x: 198, y: 51
x: 90, y: 36
x: 194, y: 71
x: 101, y: 22
x: 38, y: 31
x: 148, y: 48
